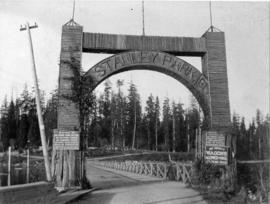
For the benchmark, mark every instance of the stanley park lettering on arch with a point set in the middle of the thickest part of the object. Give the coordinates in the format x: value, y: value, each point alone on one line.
x: 159, y: 61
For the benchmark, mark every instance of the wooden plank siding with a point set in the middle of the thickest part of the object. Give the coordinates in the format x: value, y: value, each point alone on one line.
x: 66, y: 164
x: 68, y: 110
x: 214, y: 66
x: 113, y: 43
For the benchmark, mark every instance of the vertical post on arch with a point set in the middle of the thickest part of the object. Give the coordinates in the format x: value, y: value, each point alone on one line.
x: 67, y: 169
x: 214, y: 66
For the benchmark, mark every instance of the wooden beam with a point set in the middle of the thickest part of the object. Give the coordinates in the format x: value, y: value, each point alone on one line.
x: 254, y: 161
x: 113, y: 43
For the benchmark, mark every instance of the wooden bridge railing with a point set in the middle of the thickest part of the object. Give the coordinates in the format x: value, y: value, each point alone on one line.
x: 174, y: 171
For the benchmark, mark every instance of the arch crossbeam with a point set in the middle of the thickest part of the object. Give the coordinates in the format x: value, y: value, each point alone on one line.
x: 115, y: 43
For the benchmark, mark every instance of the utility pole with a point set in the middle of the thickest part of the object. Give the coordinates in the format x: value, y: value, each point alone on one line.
x: 38, y: 106
x: 211, y: 20
x: 268, y: 128
x: 143, y: 28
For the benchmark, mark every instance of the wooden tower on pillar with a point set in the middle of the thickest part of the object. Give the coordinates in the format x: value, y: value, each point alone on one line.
x: 67, y: 158
x: 214, y: 67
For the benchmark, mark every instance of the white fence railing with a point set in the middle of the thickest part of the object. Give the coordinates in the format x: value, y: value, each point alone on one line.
x: 175, y: 171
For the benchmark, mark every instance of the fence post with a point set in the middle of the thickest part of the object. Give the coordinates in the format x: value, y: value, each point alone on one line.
x: 9, y: 164
x: 184, y: 174
x: 177, y: 172
x: 28, y: 166
x: 165, y: 171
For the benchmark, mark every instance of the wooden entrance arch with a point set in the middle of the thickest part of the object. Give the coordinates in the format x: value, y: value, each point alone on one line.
x: 210, y: 86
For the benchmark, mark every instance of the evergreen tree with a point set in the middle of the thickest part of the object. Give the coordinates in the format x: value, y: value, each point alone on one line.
x: 105, y: 113
x: 174, y: 110
x: 23, y: 129
x: 134, y: 114
x: 151, y: 120
x: 193, y: 120
x: 4, y: 124
x: 33, y: 132
x: 120, y: 103
x: 94, y: 124
x: 166, y: 123
x: 157, y: 121
x: 259, y: 117
x: 180, y: 128
x: 113, y: 118
x: 12, y: 124
x: 50, y: 117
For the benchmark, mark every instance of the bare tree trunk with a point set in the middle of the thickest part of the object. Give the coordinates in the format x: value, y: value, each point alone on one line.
x: 112, y: 129
x: 121, y: 128
x: 156, y: 132
x: 173, y: 133
x: 188, y: 137
x: 148, y: 136
x: 134, y: 135
x: 165, y: 139
x: 134, y: 128
x: 124, y: 140
x: 66, y: 168
x: 196, y: 143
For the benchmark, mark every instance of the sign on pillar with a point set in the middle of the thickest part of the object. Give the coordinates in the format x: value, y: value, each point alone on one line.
x: 66, y: 140
x: 216, y: 152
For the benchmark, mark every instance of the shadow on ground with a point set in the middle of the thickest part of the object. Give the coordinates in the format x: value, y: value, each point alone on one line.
x: 98, y: 197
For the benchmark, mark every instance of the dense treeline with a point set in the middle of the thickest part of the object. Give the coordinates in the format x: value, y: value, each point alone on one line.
x: 119, y: 120
x: 113, y: 119
x: 252, y: 144
x: 19, y: 123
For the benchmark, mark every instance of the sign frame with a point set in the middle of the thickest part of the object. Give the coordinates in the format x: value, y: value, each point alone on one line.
x: 217, y: 155
x: 66, y: 140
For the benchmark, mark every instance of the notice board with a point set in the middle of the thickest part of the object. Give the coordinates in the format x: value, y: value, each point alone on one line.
x: 214, y: 138
x: 216, y: 155
x: 66, y: 140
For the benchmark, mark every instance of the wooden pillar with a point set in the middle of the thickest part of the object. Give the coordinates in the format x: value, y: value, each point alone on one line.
x: 67, y: 165
x: 214, y: 67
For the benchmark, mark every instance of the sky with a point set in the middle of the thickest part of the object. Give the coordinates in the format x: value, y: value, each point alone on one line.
x: 246, y: 27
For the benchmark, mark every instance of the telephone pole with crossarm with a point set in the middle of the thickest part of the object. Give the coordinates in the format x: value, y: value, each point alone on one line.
x: 37, y: 95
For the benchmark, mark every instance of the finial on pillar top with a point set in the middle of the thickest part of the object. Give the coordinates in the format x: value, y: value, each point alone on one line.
x: 211, y: 20
x: 73, y: 10
x: 71, y: 22
x: 212, y: 28
x: 143, y: 28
